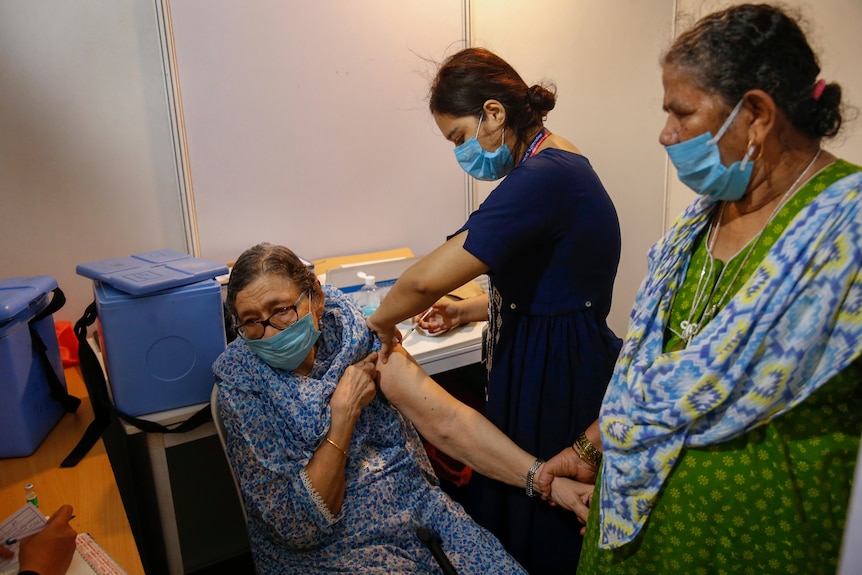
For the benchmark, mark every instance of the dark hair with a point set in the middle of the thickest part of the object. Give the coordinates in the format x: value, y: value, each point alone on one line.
x: 267, y: 259
x: 465, y: 80
x: 757, y: 46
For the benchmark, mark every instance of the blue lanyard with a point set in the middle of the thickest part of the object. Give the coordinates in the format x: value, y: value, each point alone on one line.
x: 537, y: 141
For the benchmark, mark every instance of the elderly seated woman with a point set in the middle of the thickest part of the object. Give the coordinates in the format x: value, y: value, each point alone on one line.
x: 333, y: 477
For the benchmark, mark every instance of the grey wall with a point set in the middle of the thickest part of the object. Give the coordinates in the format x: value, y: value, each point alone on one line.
x: 296, y: 135
x: 603, y: 57
x: 336, y: 136
x: 87, y: 169
x: 309, y: 127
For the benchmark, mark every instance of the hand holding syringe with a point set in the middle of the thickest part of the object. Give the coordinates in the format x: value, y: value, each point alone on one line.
x: 416, y: 324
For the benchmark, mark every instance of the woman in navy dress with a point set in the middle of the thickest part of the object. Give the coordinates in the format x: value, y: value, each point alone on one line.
x: 548, y: 237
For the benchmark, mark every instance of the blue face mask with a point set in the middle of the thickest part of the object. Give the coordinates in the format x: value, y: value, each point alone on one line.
x: 288, y: 348
x: 698, y: 165
x: 482, y: 164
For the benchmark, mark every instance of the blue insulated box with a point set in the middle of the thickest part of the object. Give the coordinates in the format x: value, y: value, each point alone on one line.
x: 27, y: 412
x: 159, y: 348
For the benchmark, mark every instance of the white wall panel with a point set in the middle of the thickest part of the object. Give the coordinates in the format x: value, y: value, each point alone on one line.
x: 603, y: 57
x: 307, y: 124
x: 87, y: 170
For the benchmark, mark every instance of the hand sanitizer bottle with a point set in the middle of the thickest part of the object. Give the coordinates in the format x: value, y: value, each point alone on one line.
x: 369, y: 297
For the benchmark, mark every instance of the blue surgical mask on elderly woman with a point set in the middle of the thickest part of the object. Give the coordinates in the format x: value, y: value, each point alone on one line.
x: 698, y: 165
x: 288, y: 348
x: 482, y: 164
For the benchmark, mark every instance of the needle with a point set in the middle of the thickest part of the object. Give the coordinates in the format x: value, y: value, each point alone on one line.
x: 415, y: 325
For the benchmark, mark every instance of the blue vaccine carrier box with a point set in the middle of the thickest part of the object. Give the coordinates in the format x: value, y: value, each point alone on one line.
x: 158, y: 343
x: 27, y: 411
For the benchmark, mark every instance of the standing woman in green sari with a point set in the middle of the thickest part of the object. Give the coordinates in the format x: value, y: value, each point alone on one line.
x: 728, y: 437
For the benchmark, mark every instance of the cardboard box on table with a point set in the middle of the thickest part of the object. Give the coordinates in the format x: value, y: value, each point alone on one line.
x: 161, y: 327
x: 27, y: 410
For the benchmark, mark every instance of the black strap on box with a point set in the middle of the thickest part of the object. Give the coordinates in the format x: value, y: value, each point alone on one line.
x: 103, y: 407
x: 59, y: 394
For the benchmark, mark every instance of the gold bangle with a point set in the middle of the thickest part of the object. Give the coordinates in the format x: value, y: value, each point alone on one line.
x: 587, y: 451
x: 338, y: 447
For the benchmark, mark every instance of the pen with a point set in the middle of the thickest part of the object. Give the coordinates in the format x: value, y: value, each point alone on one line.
x: 14, y: 540
x: 17, y: 538
x: 415, y: 325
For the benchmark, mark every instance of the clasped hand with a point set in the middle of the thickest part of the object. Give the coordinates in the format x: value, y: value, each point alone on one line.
x: 566, y: 480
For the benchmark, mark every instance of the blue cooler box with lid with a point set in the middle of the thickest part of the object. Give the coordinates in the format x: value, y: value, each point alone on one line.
x: 27, y: 411
x: 161, y: 328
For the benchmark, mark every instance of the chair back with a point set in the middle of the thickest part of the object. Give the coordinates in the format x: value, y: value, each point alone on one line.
x: 222, y: 436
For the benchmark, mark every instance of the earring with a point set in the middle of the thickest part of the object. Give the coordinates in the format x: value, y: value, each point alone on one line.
x: 760, y: 155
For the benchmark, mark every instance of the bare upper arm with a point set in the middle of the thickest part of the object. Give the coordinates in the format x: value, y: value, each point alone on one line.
x: 418, y: 397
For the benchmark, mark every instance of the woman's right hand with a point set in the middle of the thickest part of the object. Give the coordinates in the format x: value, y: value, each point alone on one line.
x: 355, y: 389
x: 564, y: 464
x: 50, y: 551
x: 389, y: 338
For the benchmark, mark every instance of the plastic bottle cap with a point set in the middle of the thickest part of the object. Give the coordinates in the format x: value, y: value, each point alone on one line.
x: 369, y: 280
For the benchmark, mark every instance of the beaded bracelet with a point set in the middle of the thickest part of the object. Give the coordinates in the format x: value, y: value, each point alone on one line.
x: 532, y: 473
x: 587, y: 451
x: 338, y: 447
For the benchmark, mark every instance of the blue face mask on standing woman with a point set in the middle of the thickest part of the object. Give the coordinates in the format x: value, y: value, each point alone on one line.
x: 288, y: 348
x: 698, y: 164
x: 482, y: 164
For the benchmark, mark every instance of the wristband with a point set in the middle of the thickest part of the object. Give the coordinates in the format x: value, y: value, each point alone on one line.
x: 532, y: 473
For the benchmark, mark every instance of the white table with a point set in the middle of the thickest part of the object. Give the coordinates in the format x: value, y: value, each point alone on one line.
x: 457, y: 348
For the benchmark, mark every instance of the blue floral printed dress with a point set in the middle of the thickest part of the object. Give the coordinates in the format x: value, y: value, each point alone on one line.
x: 275, y: 421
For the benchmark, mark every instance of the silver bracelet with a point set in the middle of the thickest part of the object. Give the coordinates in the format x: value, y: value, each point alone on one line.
x: 530, y: 474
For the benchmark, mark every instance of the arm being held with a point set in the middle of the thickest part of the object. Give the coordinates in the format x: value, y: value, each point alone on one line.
x: 452, y: 426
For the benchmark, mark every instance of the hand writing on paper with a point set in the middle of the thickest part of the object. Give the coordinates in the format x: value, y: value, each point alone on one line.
x: 50, y: 551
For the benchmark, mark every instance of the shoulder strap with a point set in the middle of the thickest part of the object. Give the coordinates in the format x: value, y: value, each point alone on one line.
x: 103, y: 407
x: 58, y: 390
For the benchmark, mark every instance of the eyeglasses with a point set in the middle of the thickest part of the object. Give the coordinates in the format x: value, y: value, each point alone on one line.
x: 282, y: 318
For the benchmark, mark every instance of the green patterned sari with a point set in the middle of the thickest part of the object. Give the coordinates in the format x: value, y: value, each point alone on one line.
x: 773, y: 500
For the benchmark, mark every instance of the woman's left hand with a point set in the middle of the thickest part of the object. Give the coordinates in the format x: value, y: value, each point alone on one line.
x: 355, y: 389
x: 574, y: 496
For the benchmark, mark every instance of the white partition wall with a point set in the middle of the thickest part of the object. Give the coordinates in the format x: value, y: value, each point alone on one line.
x: 306, y: 124
x: 87, y: 165
x: 319, y: 108
x: 603, y: 57
x: 309, y: 126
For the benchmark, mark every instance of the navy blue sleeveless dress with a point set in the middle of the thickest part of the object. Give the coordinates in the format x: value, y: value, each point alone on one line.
x: 550, y: 235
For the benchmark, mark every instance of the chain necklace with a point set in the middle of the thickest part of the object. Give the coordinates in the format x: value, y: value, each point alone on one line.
x: 702, y: 294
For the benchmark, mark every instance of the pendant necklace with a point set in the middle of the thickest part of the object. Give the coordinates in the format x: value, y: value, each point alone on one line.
x: 702, y: 294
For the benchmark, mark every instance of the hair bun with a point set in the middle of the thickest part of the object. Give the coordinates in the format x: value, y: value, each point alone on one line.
x: 820, y: 114
x: 541, y: 98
